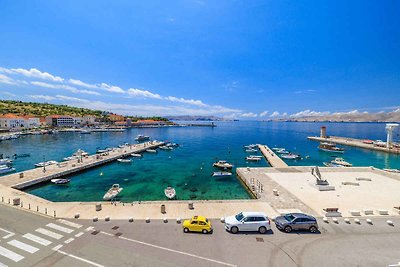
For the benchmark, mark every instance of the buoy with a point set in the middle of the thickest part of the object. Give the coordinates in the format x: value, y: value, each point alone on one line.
x: 101, y: 174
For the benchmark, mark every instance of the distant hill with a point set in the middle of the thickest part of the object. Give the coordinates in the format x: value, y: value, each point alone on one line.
x: 44, y: 109
x: 194, y: 118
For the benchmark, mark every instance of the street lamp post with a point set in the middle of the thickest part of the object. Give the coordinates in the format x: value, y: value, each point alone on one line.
x: 44, y: 163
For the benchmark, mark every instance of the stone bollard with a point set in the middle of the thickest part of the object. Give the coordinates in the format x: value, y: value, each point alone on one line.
x: 178, y: 220
x: 346, y: 220
x: 369, y: 221
x: 16, y: 201
x: 390, y: 222
x: 325, y: 220
x: 163, y: 211
x: 95, y: 219
x: 335, y: 220
x: 147, y: 219
x: 357, y: 221
x: 77, y: 215
x: 107, y: 218
x: 130, y: 219
x: 98, y: 206
x: 165, y: 220
x: 21, y: 175
x: 54, y: 213
x: 45, y: 211
x: 190, y: 205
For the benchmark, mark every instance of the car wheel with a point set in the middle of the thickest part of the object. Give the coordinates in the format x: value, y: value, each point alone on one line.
x: 288, y: 229
x: 185, y: 230
x: 204, y: 231
x: 234, y: 230
x: 313, y: 229
x: 262, y: 230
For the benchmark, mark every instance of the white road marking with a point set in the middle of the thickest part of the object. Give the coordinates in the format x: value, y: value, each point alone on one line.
x: 56, y: 248
x: 69, y: 240
x: 60, y: 228
x: 10, y: 234
x: 37, y: 239
x: 172, y: 250
x: 23, y: 246
x: 90, y: 228
x: 3, y: 265
x: 79, y: 234
x: 75, y: 225
x: 49, y: 233
x: 81, y: 259
x: 11, y: 255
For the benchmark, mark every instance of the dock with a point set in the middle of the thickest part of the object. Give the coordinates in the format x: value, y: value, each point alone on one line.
x: 273, y: 159
x: 35, y: 176
x: 354, y: 143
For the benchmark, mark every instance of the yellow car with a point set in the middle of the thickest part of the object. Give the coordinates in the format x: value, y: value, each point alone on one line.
x: 197, y: 224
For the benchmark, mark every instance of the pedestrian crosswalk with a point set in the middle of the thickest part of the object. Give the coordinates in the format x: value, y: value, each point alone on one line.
x: 17, y: 247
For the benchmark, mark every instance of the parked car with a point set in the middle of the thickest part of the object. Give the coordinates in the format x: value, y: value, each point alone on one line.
x: 248, y: 221
x: 296, y: 221
x: 197, y: 224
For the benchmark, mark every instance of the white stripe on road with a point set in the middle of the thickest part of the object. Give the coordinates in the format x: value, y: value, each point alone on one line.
x: 60, y: 228
x: 3, y: 265
x: 90, y: 228
x: 23, y: 246
x: 57, y: 247
x: 79, y: 234
x: 172, y: 250
x: 69, y: 240
x: 11, y: 255
x: 37, y: 239
x: 75, y: 225
x: 10, y: 234
x: 81, y: 259
x: 49, y: 233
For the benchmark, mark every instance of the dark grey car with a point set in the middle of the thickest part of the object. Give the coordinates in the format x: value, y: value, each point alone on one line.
x: 296, y: 221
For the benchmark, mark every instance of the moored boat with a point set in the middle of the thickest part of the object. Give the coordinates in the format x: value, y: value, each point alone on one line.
x: 46, y: 163
x: 170, y: 192
x: 330, y: 164
x: 112, y: 192
x: 151, y: 150
x: 221, y: 174
x: 341, y: 162
x: 166, y: 147
x: 140, y: 138
x: 253, y: 158
x: 251, y: 150
x: 222, y: 164
x: 124, y: 160
x: 328, y: 147
x: 290, y: 156
x: 6, y: 169
x: 60, y: 181
x: 136, y: 155
x: 5, y: 161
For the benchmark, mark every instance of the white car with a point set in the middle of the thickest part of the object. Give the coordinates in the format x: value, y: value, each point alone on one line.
x: 248, y: 221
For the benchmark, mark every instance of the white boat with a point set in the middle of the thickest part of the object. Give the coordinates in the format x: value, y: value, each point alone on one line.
x: 6, y: 169
x: 5, y: 161
x: 290, y: 156
x: 221, y: 174
x: 46, y: 163
x: 251, y: 146
x: 251, y: 150
x: 328, y: 147
x: 85, y: 131
x: 278, y: 148
x: 172, y: 145
x: 140, y: 138
x: 112, y: 192
x: 253, y: 158
x: 151, y: 150
x: 166, y: 147
x: 170, y: 192
x: 70, y: 158
x: 80, y: 153
x: 124, y: 160
x: 282, y: 151
x: 222, y: 164
x: 330, y: 164
x: 60, y: 181
x: 136, y: 155
x: 392, y: 170
x: 341, y: 162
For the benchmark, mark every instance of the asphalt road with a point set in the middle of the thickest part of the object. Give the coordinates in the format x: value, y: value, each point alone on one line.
x: 121, y: 243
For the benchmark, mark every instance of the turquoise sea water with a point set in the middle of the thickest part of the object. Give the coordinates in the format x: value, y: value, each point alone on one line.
x: 189, y: 167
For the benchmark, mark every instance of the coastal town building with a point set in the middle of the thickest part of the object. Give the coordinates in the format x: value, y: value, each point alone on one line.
x: 31, y: 121
x: 12, y: 121
x: 63, y: 121
x: 88, y: 120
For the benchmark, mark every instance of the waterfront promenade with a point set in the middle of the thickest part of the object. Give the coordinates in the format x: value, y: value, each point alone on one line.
x: 34, y: 176
x: 354, y: 143
x: 273, y: 159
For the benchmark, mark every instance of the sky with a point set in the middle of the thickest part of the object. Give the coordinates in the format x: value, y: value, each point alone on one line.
x: 234, y: 59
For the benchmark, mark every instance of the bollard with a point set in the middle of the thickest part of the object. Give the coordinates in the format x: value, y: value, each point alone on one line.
x: 8, y: 201
x: 190, y: 205
x: 76, y: 215
x: 2, y: 199
x: 346, y: 220
x: 325, y: 220
x: 45, y: 211
x: 165, y: 220
x: 95, y: 219
x: 130, y: 219
x: 178, y: 220
x: 29, y: 205
x: 98, y: 207
x: 335, y: 220
x: 147, y: 220
x: 222, y: 219
x: 357, y: 221
x: 54, y: 213
x: 390, y: 222
x: 163, y: 211
x: 369, y: 221
x: 107, y: 218
x: 22, y: 204
x: 37, y: 208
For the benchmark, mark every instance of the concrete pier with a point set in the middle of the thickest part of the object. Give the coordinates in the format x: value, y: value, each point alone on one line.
x: 34, y: 176
x: 273, y: 159
x: 354, y: 142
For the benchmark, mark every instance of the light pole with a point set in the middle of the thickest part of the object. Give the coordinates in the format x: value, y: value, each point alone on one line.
x: 44, y: 163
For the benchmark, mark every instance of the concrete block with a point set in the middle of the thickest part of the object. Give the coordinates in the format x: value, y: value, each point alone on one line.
x: 222, y: 219
x: 335, y: 220
x: 178, y: 220
x: 390, y: 222
x: 165, y: 220
x: 107, y: 218
x: 357, y: 221
x: 368, y: 211
x: 130, y: 219
x: 369, y: 221
x: 190, y: 205
x: 346, y: 220
x: 383, y: 212
x: 355, y: 213
x: 98, y: 207
x: 77, y: 215
x: 95, y: 219
x: 325, y: 220
x: 147, y: 219
x: 16, y: 201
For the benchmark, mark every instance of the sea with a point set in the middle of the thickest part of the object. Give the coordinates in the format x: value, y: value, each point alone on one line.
x: 187, y: 168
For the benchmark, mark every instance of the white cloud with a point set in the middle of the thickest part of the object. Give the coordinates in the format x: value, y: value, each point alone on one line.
x: 69, y: 98
x: 9, y: 94
x: 82, y: 84
x: 33, y: 73
x: 186, y: 101
x: 274, y: 114
x: 7, y: 80
x: 264, y: 113
x: 396, y: 110
x: 111, y: 88
x: 305, y: 91
x: 143, y: 93
x: 249, y: 115
x: 64, y: 87
x: 309, y: 113
x: 44, y: 97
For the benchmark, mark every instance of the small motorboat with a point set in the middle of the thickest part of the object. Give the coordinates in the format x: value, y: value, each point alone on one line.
x: 341, y: 162
x: 124, y: 160
x: 172, y: 145
x: 5, y: 161
x: 251, y: 146
x: 253, y: 158
x: 22, y: 155
x: 282, y: 151
x: 328, y: 147
x: 221, y: 174
x: 136, y: 155
x: 290, y: 156
x: 277, y: 148
x: 330, y: 164
x: 166, y: 147
x: 70, y: 158
x: 222, y: 164
x: 85, y: 131
x: 6, y: 169
x: 112, y: 192
x: 170, y: 192
x: 151, y: 150
x: 60, y: 181
x: 141, y: 138
x: 251, y: 150
x: 46, y: 163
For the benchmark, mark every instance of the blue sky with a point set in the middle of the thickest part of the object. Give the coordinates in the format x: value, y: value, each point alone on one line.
x: 242, y: 59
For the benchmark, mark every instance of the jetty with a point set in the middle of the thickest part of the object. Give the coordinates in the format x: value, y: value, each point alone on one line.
x: 35, y: 176
x: 273, y: 159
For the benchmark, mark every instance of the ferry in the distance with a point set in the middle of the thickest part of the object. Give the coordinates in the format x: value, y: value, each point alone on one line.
x: 328, y: 147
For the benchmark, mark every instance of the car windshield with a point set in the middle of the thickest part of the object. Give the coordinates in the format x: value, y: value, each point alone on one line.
x: 239, y: 216
x: 289, y: 217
